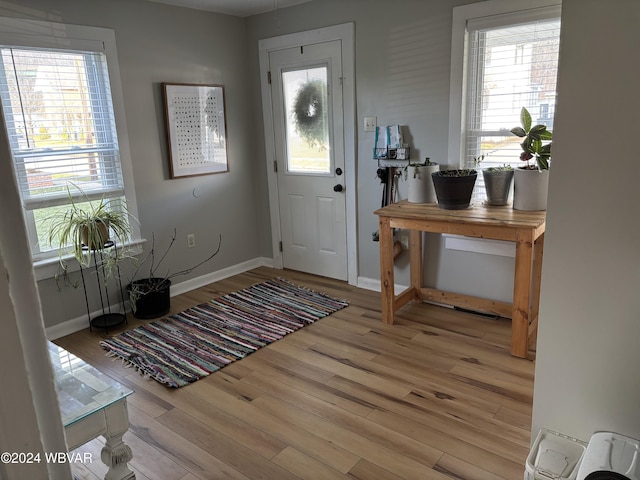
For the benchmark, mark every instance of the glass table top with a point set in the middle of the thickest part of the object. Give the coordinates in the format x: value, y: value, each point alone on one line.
x: 82, y: 390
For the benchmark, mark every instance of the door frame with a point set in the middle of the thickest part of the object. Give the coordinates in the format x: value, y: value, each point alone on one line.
x: 344, y: 33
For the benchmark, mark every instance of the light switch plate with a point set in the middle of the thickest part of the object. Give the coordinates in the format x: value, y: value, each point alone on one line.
x: 370, y: 124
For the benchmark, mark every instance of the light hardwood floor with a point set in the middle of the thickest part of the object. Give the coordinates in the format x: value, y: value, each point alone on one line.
x: 435, y: 396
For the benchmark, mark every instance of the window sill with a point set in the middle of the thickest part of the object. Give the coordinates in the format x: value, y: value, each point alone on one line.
x: 49, y: 267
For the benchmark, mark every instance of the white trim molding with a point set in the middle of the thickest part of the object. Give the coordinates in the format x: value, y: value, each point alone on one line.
x: 374, y: 285
x: 461, y: 16
x: 81, y: 322
x: 39, y: 34
x: 346, y: 34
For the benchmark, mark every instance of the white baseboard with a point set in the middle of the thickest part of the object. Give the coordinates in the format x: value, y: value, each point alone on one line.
x: 374, y: 284
x: 68, y: 327
x: 81, y: 322
x: 188, y: 285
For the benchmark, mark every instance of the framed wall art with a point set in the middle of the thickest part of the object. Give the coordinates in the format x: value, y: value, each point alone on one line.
x: 196, y: 129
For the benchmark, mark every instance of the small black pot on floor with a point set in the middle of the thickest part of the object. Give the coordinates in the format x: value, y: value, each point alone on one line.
x: 150, y: 297
x: 454, y: 188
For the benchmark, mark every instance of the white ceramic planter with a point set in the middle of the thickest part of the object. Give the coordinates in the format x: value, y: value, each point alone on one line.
x: 530, y: 188
x: 420, y: 183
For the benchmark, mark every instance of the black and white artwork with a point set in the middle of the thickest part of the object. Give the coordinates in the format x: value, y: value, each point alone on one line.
x: 196, y: 129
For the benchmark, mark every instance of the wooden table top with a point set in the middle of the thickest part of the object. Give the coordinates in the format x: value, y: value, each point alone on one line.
x: 488, y: 215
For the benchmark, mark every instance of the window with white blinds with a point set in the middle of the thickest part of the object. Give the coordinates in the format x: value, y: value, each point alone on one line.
x: 510, y: 61
x: 59, y: 117
x: 64, y: 114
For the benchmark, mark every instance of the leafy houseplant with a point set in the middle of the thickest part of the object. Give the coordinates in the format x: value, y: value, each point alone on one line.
x: 531, y: 182
x: 454, y: 187
x: 87, y: 226
x: 149, y: 297
x: 420, y: 184
x: 501, y: 168
x: 533, y: 145
x: 415, y: 167
x: 92, y: 229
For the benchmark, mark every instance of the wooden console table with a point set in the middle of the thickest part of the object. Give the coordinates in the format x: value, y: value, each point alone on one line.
x: 526, y: 229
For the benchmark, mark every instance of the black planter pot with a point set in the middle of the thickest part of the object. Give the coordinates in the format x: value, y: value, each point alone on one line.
x: 453, y: 192
x: 151, y: 297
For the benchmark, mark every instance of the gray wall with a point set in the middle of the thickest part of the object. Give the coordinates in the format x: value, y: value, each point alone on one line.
x: 403, y: 55
x: 160, y: 43
x: 588, y: 354
x: 402, y: 77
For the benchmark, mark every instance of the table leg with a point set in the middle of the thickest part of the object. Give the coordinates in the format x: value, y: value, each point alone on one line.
x: 522, y: 293
x: 415, y: 261
x: 116, y: 454
x: 386, y: 270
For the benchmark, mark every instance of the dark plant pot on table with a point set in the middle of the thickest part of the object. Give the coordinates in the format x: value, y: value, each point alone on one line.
x: 454, y: 188
x: 149, y: 297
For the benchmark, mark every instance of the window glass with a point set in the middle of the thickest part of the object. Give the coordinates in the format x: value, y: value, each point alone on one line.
x: 509, y: 68
x: 307, y: 128
x: 503, y: 59
x: 59, y: 115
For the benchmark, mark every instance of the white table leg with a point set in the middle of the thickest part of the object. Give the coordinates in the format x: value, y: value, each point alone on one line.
x: 116, y: 454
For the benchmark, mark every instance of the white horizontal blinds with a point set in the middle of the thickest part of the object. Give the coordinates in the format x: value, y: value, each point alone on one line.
x: 512, y: 63
x: 61, y: 125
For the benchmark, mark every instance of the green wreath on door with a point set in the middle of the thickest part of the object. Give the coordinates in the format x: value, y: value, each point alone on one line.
x: 309, y: 113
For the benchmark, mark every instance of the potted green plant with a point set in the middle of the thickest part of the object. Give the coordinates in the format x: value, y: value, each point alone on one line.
x: 149, y: 297
x: 454, y: 187
x: 497, y: 182
x: 531, y: 182
x: 93, y: 230
x: 86, y: 226
x: 419, y: 182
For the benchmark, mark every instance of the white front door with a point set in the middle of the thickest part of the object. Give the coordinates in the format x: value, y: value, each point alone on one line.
x: 307, y: 107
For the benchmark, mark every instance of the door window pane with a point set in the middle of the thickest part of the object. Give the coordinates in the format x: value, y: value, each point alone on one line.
x: 307, y: 121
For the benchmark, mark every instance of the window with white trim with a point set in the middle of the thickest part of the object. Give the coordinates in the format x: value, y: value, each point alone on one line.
x: 506, y: 60
x: 60, y: 116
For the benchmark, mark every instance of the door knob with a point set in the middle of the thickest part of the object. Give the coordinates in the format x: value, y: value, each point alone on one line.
x: 337, y: 188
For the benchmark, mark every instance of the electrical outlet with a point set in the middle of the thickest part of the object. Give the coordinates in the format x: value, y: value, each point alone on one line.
x: 370, y: 124
x: 191, y: 240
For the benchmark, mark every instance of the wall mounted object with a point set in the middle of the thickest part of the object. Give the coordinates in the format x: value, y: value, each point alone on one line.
x: 196, y: 129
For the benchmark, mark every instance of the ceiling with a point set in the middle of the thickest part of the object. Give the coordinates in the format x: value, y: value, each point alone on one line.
x: 238, y: 8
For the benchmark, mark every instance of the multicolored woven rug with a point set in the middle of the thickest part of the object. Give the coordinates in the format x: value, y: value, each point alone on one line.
x: 185, y: 347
